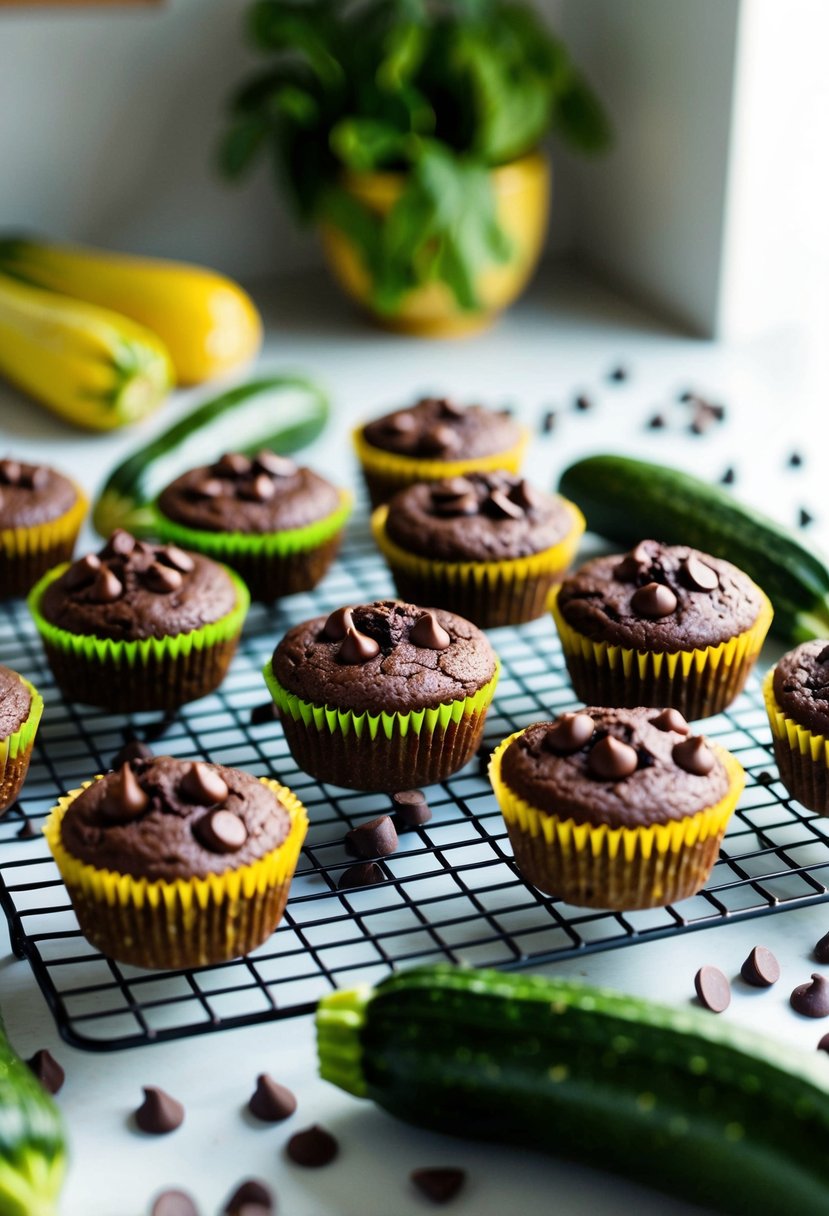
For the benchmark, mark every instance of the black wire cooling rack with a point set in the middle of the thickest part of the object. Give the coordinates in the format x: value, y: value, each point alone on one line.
x: 451, y: 891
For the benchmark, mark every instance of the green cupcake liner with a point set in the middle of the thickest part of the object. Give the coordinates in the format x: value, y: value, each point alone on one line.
x: 226, y: 546
x: 16, y: 750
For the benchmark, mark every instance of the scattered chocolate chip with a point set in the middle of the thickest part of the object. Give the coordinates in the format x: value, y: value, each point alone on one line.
x: 106, y: 588
x: 440, y: 1184
x: 548, y: 422
x: 277, y: 466
x: 795, y: 460
x: 312, y: 1148
x: 671, y: 719
x: 729, y: 476
x: 134, y: 750
x: 618, y: 374
x: 161, y: 579
x: 270, y: 1101
x: 120, y: 544
x: 377, y: 838
x: 400, y: 424
x: 654, y: 600
x: 451, y: 487
x: 180, y: 560
x: 526, y: 495
x: 694, y: 756
x: 357, y: 647
x: 823, y: 1044
x: 812, y: 999
x: 159, y: 1113
x: 500, y: 506
x: 698, y: 576
x: 804, y: 518
x: 686, y: 395
x: 429, y: 634
x: 27, y: 831
x: 10, y: 472
x: 338, y: 624
x: 440, y: 439
x: 124, y: 799
x: 174, y: 1203
x: 47, y: 1070
x: 211, y: 487
x: 656, y: 422
x: 713, y: 989
x: 266, y: 712
x: 232, y: 464
x: 716, y: 410
x: 612, y: 760
x: 203, y: 785
x: 261, y: 489
x: 701, y: 422
x: 765, y: 778
x: 251, y: 1198
x: 583, y: 403
x: 411, y: 808
x: 220, y: 831
x: 362, y: 874
x: 761, y: 969
x: 570, y: 733
x: 821, y: 950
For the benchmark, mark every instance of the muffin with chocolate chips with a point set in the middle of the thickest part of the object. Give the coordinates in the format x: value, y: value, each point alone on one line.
x: 796, y: 693
x: 41, y: 513
x: 489, y: 545
x: 139, y: 625
x: 433, y: 439
x: 275, y: 523
x: 615, y: 808
x: 170, y: 863
x: 383, y: 696
x: 661, y: 625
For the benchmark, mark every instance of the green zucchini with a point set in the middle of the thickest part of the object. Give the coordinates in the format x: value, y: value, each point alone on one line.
x: 678, y: 1100
x: 32, y: 1144
x: 283, y: 413
x: 631, y: 500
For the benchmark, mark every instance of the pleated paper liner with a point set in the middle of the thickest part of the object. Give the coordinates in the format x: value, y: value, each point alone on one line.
x: 596, y: 866
x: 188, y: 922
x: 802, y: 755
x: 381, y: 752
x: 16, y: 751
x: 489, y: 593
x: 146, y: 674
x: 699, y: 682
x: 387, y: 472
x: 27, y: 553
x: 272, y: 564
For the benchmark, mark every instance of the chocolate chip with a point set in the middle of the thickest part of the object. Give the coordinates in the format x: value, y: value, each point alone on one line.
x: 713, y: 989
x: 411, y: 808
x: 203, y: 785
x: 570, y: 733
x: 618, y: 374
x: 120, y: 544
x: 338, y: 624
x: 158, y: 1113
x: 671, y: 719
x: 220, y: 831
x: 451, y: 487
x: 500, y: 506
x: 823, y: 657
x: 804, y: 518
x: 210, y: 487
x: 823, y: 1044
x: 548, y: 422
x: 134, y: 750
x: 251, y: 1198
x: 82, y: 572
x: 400, y: 424
x: 654, y: 600
x: 357, y: 647
x: 821, y: 950
x: 106, y: 588
x: 729, y: 476
x: 795, y: 460
x: 36, y: 478
x: 27, y: 831
x: 266, y: 712
x: 440, y: 1184
x: 180, y: 560
x: 761, y: 969
x: 312, y: 1148
x: 526, y: 495
x: 612, y: 760
x: 270, y: 1101
x: 634, y: 565
x: 464, y: 504
x: 440, y: 439
x: 276, y: 466
x: 161, y: 579
x: 261, y: 489
x: 123, y: 799
x: 429, y: 634
x: 47, y: 1070
x: 812, y: 999
x: 694, y: 756
x: 656, y: 422
x: 698, y: 576
x: 363, y: 874
x: 174, y: 1203
x: 377, y: 838
x: 450, y: 408
x: 583, y: 403
x: 10, y: 472
x: 232, y: 464
x: 765, y: 778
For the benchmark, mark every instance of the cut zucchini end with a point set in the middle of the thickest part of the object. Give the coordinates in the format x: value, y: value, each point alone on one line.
x: 340, y: 1019
x: 30, y: 1185
x: 113, y: 510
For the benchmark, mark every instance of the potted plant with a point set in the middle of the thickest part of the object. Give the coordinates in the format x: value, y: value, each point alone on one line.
x: 408, y: 131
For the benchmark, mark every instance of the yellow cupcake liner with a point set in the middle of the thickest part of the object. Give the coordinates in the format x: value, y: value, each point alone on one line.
x: 802, y: 754
x: 18, y: 542
x: 16, y: 749
x: 607, y: 865
x: 490, y: 593
x: 98, y: 894
x: 698, y: 682
x: 799, y: 738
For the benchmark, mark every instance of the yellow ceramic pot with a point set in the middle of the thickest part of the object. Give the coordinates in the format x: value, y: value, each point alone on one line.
x: 522, y: 198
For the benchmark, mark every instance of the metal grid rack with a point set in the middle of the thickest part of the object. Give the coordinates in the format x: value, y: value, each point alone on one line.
x: 451, y: 891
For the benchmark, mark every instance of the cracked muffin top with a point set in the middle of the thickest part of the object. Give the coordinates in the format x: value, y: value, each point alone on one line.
x: 801, y: 685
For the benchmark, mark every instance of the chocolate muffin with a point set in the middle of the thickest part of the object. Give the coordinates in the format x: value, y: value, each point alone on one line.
x: 171, y: 863
x: 615, y: 808
x: 796, y: 693
x: 436, y: 438
x: 489, y: 545
x: 139, y: 625
x: 21, y: 707
x: 661, y: 625
x: 383, y: 696
x: 277, y: 524
x: 41, y: 513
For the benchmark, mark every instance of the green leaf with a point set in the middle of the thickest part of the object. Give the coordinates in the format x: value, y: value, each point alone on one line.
x: 404, y: 49
x: 581, y: 119
x: 306, y: 29
x: 363, y: 144
x: 241, y: 144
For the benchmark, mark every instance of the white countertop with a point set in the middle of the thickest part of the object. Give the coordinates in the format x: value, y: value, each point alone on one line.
x: 562, y: 340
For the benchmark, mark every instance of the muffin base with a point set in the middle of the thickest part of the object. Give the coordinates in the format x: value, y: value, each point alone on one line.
x: 594, y: 866
x: 802, y: 754
x: 382, y: 752
x: 27, y: 553
x: 187, y: 923
x: 699, y: 683
x: 16, y: 752
x: 490, y: 594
